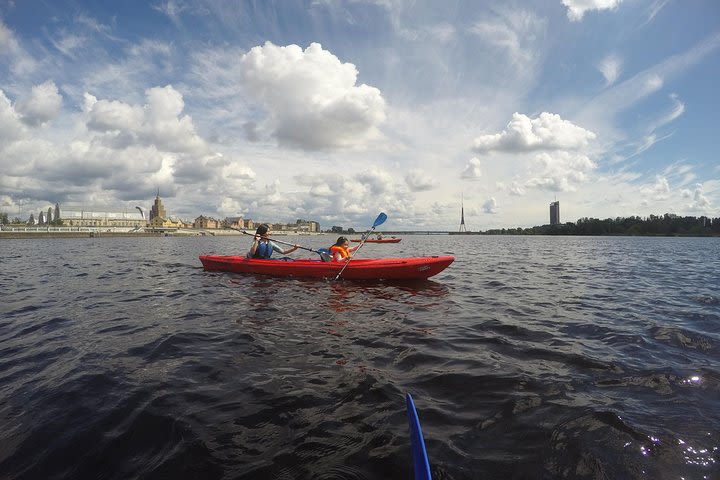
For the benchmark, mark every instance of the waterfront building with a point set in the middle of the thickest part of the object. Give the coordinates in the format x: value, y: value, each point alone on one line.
x: 165, y: 223
x: 158, y: 209
x: 206, y: 222
x: 233, y: 222
x: 120, y: 217
x: 307, y: 226
x: 555, y: 213
x: 57, y: 212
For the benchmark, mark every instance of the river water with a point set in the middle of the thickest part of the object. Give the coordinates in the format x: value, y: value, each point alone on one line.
x: 528, y: 358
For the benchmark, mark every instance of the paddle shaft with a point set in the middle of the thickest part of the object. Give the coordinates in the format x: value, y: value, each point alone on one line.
x: 278, y: 241
x: 378, y: 221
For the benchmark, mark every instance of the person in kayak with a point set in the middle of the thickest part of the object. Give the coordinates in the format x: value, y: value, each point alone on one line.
x: 340, y: 251
x: 263, y: 247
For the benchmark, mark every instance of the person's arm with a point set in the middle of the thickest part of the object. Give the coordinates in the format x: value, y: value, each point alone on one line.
x: 283, y: 252
x: 352, y: 249
x: 254, y: 246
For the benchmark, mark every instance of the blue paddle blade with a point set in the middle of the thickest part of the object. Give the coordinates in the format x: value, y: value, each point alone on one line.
x: 417, y: 443
x: 380, y: 220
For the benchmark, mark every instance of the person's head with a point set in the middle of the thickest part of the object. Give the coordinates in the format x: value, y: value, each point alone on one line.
x: 262, y: 229
x: 341, y: 242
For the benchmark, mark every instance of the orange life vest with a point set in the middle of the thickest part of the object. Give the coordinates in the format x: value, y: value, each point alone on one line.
x: 344, y: 252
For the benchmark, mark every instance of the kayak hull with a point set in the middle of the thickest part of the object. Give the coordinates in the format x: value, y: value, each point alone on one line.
x: 413, y: 268
x: 382, y: 240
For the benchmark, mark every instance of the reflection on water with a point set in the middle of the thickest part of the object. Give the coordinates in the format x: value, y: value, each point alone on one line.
x: 529, y: 357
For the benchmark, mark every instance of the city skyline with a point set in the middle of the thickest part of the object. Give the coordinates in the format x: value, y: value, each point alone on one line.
x: 295, y: 109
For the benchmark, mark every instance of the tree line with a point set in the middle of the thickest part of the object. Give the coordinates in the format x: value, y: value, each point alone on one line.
x: 6, y: 220
x: 668, y: 224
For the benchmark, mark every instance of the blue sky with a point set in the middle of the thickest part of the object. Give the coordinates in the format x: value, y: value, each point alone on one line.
x: 336, y: 110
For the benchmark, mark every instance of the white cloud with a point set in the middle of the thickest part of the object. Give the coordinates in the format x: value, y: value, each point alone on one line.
x: 516, y: 36
x: 312, y: 97
x: 676, y: 111
x: 546, y: 132
x: 20, y: 61
x: 472, y: 169
x: 159, y: 122
x: 610, y: 67
x: 490, y: 205
x: 577, y: 8
x: 11, y: 127
x: 560, y: 171
x: 43, y: 105
x: 659, y: 190
x: 700, y: 202
x: 419, y: 181
x: 172, y: 9
x: 67, y: 43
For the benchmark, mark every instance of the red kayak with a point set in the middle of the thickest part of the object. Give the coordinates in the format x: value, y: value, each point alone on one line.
x: 413, y: 268
x: 378, y: 240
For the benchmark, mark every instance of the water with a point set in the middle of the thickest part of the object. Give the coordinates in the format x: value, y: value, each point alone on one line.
x: 528, y: 358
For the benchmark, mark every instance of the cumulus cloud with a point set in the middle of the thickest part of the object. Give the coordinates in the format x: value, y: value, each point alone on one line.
x: 490, y: 205
x: 43, y: 105
x: 472, y: 169
x: 376, y: 180
x: 576, y: 8
x: 11, y: 128
x: 312, y: 97
x: 546, y: 132
x: 700, y: 203
x: 560, y: 171
x: 610, y: 67
x: 659, y: 190
x: 419, y: 181
x: 159, y: 122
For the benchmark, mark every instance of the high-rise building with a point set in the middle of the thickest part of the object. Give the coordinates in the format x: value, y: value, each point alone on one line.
x: 57, y: 212
x: 157, y: 210
x: 555, y: 213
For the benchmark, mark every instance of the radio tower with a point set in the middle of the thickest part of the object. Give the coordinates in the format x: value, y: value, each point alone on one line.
x: 462, y: 214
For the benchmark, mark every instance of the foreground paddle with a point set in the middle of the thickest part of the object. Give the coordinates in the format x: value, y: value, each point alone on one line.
x: 323, y: 255
x: 378, y: 221
x: 421, y: 466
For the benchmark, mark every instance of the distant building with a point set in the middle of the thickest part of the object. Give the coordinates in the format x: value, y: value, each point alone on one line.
x: 102, y: 217
x: 165, y: 223
x: 233, y: 222
x: 57, y: 212
x: 555, y: 213
x: 157, y: 210
x: 206, y: 222
x: 307, y: 226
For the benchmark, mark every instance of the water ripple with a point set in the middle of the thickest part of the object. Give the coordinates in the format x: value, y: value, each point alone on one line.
x: 530, y: 357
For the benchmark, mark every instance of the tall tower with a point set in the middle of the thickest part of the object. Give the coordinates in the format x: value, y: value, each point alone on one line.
x: 462, y: 215
x: 157, y: 210
x: 555, y: 213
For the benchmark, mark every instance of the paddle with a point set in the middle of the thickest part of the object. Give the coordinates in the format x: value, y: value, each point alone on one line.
x: 378, y: 221
x: 421, y: 466
x: 325, y: 256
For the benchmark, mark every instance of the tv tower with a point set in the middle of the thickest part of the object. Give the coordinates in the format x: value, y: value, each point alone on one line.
x: 462, y: 214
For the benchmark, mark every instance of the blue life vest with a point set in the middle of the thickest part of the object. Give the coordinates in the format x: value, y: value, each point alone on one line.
x: 263, y: 250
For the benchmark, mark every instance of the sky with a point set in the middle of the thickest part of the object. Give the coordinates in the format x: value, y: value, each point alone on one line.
x: 337, y: 110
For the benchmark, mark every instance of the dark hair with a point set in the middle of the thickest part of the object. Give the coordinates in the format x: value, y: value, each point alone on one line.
x: 262, y: 229
x: 340, y: 241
